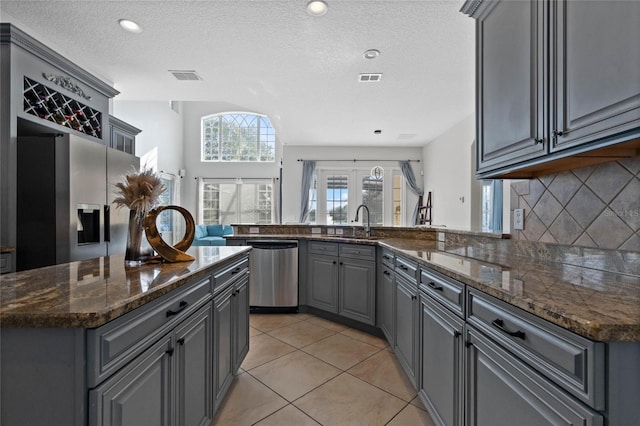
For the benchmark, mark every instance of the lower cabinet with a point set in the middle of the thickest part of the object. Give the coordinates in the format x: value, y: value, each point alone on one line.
x: 341, y: 279
x: 442, y: 363
x: 386, y: 292
x: 406, y: 345
x: 168, y: 379
x: 501, y: 390
x: 231, y: 334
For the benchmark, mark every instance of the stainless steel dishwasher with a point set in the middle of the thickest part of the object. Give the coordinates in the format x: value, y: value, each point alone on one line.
x: 273, y: 282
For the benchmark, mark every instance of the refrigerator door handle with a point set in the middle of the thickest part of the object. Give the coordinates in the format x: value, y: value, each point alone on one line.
x: 107, y: 223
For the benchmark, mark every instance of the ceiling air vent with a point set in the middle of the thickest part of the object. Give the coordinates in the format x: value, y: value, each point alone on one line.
x: 185, y: 75
x: 369, y: 78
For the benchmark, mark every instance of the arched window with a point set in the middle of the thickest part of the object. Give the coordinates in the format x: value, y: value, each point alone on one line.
x: 238, y: 136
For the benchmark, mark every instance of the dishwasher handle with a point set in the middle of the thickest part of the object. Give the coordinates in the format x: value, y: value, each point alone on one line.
x: 273, y: 245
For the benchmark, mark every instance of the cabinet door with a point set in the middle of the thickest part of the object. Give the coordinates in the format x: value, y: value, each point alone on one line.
x: 387, y: 293
x: 223, y: 343
x: 406, y: 326
x: 441, y: 372
x: 357, y: 290
x: 323, y: 282
x: 139, y: 394
x: 241, y: 322
x: 194, y: 362
x: 596, y: 69
x: 510, y: 84
x: 501, y: 390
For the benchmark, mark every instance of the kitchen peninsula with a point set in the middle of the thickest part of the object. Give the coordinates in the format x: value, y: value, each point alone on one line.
x: 95, y: 342
x: 479, y: 320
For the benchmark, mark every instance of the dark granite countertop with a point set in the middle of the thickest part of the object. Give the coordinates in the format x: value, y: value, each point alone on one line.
x: 580, y: 294
x: 89, y: 293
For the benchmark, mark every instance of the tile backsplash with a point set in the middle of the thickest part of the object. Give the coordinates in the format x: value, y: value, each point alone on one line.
x: 594, y: 206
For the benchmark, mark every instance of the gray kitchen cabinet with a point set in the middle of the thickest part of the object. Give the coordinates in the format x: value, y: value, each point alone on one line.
x: 194, y: 355
x: 441, y: 385
x: 122, y: 135
x: 231, y: 326
x: 510, y: 81
x: 341, y: 279
x: 241, y: 318
x: 171, y: 378
x: 222, y: 344
x: 140, y: 394
x: 322, y: 282
x: 386, y: 293
x: 406, y: 346
x: 549, y: 87
x: 595, y: 74
x: 502, y: 390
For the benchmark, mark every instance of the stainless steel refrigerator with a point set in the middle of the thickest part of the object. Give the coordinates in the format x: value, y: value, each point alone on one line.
x: 65, y: 195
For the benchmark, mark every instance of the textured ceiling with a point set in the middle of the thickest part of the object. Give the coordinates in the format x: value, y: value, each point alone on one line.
x: 271, y: 57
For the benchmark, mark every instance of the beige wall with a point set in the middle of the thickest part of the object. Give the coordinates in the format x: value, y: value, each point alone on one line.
x: 448, y: 175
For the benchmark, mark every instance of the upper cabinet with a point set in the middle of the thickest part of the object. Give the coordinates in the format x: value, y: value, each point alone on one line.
x: 555, y: 79
x: 122, y: 135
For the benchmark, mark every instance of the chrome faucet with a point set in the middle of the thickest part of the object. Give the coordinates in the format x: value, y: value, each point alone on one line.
x: 367, y: 227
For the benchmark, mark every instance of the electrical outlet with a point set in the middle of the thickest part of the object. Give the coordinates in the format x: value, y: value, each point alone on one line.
x: 441, y: 237
x: 518, y: 219
x: 254, y: 230
x: 331, y: 231
x: 316, y: 230
x: 339, y: 231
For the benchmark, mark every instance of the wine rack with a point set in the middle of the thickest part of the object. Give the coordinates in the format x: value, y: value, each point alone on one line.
x: 51, y: 105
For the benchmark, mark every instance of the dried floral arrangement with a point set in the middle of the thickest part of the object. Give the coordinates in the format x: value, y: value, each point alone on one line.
x: 139, y: 191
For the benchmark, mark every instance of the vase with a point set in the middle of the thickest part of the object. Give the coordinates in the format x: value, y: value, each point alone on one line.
x: 138, y: 248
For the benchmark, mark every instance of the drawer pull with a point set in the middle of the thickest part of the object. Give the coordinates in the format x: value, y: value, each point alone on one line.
x: 434, y: 286
x: 414, y: 297
x: 386, y: 257
x: 170, y: 351
x: 235, y: 271
x: 456, y: 334
x: 183, y: 305
x: 404, y: 268
x: 181, y: 341
x: 387, y: 273
x: 499, y: 324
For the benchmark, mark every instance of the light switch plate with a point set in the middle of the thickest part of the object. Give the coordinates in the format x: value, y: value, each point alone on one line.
x: 441, y: 236
x: 316, y: 230
x: 254, y: 230
x: 518, y: 219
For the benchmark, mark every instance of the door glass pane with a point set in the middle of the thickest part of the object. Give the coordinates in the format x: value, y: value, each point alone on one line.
x: 337, y: 200
x: 255, y: 203
x: 228, y: 203
x: 397, y: 200
x: 211, y: 203
x: 373, y: 198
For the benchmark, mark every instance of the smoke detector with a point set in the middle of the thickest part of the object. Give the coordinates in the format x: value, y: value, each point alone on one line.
x: 369, y: 78
x: 185, y: 75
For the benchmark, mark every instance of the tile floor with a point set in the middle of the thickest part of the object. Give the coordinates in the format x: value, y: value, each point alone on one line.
x: 305, y: 370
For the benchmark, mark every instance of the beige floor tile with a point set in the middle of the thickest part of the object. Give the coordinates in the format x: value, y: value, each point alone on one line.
x: 341, y: 351
x: 295, y: 374
x: 254, y: 331
x: 327, y: 324
x: 268, y: 322
x: 418, y: 402
x: 347, y: 400
x: 305, y: 317
x: 264, y: 348
x: 384, y: 371
x: 247, y: 402
x: 288, y: 416
x: 366, y: 337
x: 411, y: 415
x: 301, y: 333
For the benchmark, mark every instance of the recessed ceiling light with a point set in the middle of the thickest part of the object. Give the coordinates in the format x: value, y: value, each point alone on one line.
x: 317, y: 7
x: 371, y: 54
x: 130, y: 26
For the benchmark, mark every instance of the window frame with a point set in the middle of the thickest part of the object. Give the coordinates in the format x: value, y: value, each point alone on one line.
x: 259, y: 182
x: 259, y: 142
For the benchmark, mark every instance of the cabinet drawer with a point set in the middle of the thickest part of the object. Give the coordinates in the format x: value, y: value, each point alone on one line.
x: 114, y: 344
x: 227, y: 275
x: 408, y: 268
x: 571, y: 361
x: 321, y: 247
x: 388, y: 258
x: 358, y: 251
x: 444, y: 289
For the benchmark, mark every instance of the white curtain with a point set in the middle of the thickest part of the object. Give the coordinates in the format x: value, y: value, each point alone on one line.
x: 308, y: 168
